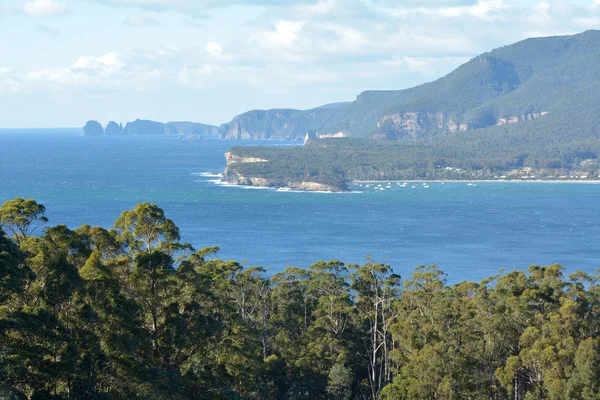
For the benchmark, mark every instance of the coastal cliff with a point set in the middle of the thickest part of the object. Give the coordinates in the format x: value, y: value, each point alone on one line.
x: 234, y: 174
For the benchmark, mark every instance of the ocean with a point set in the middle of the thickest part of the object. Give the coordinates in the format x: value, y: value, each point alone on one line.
x: 469, y: 231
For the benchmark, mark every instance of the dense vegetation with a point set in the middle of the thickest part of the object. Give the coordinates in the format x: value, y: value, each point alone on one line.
x: 559, y: 75
x: 548, y: 86
x: 133, y: 313
x: 487, y: 154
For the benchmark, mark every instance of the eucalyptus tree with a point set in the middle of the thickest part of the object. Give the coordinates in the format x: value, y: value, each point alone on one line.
x: 22, y: 217
x: 376, y: 289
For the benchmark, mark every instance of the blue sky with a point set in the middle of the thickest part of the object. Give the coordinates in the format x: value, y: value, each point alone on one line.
x: 66, y: 61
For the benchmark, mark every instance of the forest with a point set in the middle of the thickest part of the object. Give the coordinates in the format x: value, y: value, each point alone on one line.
x: 133, y: 313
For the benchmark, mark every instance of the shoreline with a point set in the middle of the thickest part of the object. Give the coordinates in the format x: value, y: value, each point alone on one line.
x: 586, y: 181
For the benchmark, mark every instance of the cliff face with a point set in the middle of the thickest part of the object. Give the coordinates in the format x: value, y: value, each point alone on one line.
x: 233, y: 176
x: 144, y: 127
x: 415, y: 124
x: 147, y: 127
x: 270, y: 124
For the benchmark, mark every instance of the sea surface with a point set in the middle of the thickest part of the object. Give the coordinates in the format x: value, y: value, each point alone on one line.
x: 470, y: 231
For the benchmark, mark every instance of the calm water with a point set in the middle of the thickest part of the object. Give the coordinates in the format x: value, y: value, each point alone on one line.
x: 470, y: 231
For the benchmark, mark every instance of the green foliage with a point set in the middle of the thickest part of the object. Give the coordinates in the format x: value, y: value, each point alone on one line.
x: 126, y: 314
x: 558, y: 75
x: 18, y: 215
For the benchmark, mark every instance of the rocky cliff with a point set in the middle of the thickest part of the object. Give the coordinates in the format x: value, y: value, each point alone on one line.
x: 148, y: 127
x: 234, y: 176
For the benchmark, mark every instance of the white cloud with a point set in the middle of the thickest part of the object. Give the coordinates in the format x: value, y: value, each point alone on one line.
x: 540, y: 14
x: 483, y: 9
x: 286, y: 33
x: 44, y: 8
x: 215, y: 52
x: 196, y: 6
x: 328, y: 46
x: 140, y: 20
x: 105, y: 69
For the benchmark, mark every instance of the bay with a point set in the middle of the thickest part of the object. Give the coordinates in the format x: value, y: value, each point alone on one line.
x: 471, y: 232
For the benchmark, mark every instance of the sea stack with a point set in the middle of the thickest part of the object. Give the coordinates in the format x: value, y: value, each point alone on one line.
x: 93, y: 128
x: 113, y: 128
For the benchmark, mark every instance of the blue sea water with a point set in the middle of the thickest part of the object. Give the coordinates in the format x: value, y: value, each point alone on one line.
x: 471, y: 232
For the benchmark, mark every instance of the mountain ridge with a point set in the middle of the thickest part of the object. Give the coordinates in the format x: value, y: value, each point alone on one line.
x: 497, y: 85
x: 523, y: 110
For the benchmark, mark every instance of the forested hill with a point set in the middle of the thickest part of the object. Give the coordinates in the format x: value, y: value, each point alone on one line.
x: 548, y: 78
x: 131, y: 313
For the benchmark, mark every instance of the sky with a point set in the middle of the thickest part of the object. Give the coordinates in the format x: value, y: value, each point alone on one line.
x: 63, y: 62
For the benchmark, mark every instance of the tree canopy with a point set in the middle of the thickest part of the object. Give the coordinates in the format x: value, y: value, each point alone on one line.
x: 132, y: 313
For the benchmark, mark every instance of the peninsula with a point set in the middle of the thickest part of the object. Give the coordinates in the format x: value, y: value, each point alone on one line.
x: 524, y: 111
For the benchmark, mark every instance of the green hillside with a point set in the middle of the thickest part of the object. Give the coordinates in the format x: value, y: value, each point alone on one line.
x: 555, y: 75
x: 530, y: 109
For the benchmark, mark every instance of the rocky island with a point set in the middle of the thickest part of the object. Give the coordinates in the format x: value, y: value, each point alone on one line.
x: 148, y: 127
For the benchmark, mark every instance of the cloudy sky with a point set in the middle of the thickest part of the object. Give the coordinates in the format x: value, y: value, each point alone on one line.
x: 63, y: 62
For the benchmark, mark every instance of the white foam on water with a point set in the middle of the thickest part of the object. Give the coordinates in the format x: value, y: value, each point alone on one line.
x: 208, y: 174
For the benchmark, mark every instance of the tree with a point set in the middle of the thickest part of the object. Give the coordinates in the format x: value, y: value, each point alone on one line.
x: 18, y: 215
x: 376, y: 288
x: 145, y: 228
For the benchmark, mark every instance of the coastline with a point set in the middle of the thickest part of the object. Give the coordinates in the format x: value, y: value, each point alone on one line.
x: 586, y: 181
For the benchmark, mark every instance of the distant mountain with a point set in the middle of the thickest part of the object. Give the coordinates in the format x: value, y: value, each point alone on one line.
x: 147, y: 127
x: 526, y: 111
x: 544, y: 78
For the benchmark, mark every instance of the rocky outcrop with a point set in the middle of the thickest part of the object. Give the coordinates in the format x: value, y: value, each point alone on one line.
x: 144, y: 127
x: 517, y: 119
x: 232, y: 176
x: 265, y: 124
x: 93, y: 128
x: 235, y: 159
x: 236, y: 179
x: 113, y: 128
x: 415, y: 124
x: 148, y: 127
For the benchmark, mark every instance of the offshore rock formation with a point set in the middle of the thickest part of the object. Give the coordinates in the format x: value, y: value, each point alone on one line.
x: 148, y: 127
x: 234, y: 177
x: 144, y: 127
x: 93, y: 128
x: 113, y: 128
